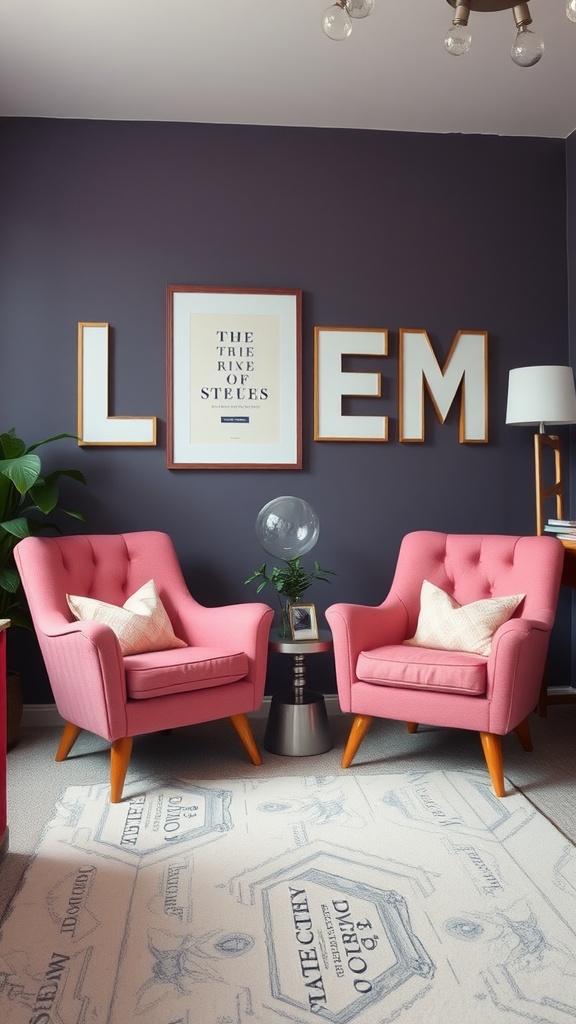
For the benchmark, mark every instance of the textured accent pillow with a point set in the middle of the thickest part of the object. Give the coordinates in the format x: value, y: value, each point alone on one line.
x: 141, y: 625
x: 445, y: 625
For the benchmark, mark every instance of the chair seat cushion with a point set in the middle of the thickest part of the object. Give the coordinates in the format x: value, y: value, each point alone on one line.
x: 421, y: 668
x: 181, y: 670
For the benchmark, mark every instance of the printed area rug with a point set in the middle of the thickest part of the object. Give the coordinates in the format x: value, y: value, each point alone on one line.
x: 368, y: 899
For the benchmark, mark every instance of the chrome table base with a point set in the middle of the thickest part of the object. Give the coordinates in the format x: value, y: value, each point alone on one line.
x: 297, y: 721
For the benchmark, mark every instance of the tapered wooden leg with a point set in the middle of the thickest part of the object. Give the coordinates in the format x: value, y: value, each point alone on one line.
x: 244, y: 730
x: 412, y: 726
x: 492, y: 747
x: 523, y: 733
x: 67, y: 741
x: 119, y: 760
x: 360, y: 727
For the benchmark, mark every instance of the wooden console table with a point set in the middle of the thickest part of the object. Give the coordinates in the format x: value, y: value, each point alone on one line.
x: 564, y: 695
x: 569, y: 573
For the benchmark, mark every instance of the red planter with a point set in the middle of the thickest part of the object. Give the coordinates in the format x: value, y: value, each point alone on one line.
x: 3, y: 823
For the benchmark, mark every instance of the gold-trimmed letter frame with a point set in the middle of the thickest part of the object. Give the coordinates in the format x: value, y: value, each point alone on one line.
x: 95, y: 425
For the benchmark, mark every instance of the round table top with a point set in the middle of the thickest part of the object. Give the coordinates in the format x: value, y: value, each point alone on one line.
x: 282, y: 645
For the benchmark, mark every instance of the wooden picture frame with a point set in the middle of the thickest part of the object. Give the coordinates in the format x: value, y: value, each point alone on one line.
x: 234, y: 378
x: 303, y: 622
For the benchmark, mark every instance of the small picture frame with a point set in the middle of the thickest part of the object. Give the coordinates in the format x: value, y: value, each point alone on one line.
x: 303, y: 623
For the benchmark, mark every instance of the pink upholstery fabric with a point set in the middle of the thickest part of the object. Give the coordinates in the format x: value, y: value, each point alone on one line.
x: 468, y: 567
x: 191, y: 668
x: 96, y: 688
x: 445, y: 671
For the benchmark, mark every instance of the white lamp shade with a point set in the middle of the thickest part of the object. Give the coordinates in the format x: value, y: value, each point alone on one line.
x: 541, y: 394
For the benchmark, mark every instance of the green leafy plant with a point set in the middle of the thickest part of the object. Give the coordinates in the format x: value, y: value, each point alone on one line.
x: 27, y: 501
x: 289, y: 580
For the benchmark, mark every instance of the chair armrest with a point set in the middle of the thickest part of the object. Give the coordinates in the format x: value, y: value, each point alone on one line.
x: 56, y: 626
x: 515, y: 670
x: 235, y: 627
x: 86, y: 673
x: 357, y: 628
x: 231, y: 626
x: 515, y: 633
x: 368, y: 626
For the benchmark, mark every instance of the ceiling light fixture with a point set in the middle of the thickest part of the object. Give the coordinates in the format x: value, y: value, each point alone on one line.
x: 527, y: 47
x: 337, y: 20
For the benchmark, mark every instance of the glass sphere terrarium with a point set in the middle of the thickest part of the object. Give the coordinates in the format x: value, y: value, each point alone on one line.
x: 287, y: 528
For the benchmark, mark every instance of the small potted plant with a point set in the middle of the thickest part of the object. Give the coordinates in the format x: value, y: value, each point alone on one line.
x: 289, y: 581
x: 27, y: 501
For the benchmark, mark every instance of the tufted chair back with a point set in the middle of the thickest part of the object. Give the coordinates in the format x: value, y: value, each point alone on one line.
x: 385, y: 669
x: 470, y: 567
x: 106, y: 567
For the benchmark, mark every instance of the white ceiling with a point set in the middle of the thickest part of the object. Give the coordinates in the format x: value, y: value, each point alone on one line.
x: 268, y: 62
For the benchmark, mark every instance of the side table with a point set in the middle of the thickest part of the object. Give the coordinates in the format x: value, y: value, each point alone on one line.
x: 297, y: 721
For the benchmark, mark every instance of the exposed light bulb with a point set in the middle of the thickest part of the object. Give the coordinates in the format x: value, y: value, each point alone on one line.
x: 571, y: 9
x: 360, y: 8
x: 336, y: 21
x: 458, y: 40
x: 527, y: 48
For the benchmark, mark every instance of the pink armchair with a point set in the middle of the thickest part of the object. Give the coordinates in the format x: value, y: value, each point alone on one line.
x: 219, y: 672
x: 378, y: 675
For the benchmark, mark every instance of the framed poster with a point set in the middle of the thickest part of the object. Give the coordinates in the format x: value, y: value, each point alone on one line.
x: 234, y: 378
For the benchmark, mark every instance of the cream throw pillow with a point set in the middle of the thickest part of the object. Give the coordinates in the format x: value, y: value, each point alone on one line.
x: 445, y: 625
x: 141, y: 625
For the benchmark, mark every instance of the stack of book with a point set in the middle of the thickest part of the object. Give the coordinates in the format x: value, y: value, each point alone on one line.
x: 564, y: 529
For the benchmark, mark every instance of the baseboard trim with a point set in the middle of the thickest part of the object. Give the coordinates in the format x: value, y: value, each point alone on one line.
x: 41, y: 714
x: 47, y: 715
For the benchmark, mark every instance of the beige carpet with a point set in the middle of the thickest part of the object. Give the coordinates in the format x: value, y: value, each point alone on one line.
x: 346, y: 897
x: 547, y: 776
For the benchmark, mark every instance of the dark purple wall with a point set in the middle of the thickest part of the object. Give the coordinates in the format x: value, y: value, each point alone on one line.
x: 440, y: 232
x: 571, y: 245
x: 571, y: 239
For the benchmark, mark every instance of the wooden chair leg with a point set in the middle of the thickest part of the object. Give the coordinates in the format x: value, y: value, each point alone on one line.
x: 492, y: 747
x: 523, y: 733
x: 67, y: 741
x: 360, y: 727
x: 412, y: 726
x: 119, y: 760
x: 244, y: 730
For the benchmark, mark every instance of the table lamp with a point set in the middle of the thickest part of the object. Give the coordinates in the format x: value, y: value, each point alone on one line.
x: 540, y: 395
